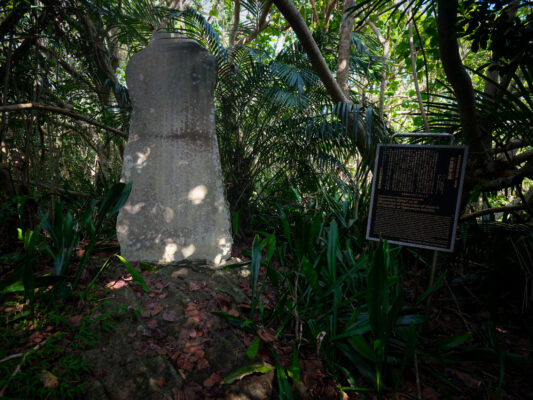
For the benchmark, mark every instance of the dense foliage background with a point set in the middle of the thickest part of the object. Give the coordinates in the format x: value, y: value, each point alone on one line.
x: 306, y: 89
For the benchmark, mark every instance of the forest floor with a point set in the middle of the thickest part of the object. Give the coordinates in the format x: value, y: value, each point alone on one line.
x: 167, y: 343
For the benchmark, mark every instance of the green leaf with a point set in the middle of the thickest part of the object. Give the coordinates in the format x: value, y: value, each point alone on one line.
x: 136, y: 275
x: 377, y: 295
x: 333, y: 243
x: 147, y: 267
x: 294, y: 368
x: 247, y: 370
x: 252, y: 350
x: 360, y: 345
x: 256, y: 264
x: 310, y: 274
x: 452, y: 342
x: 284, y: 387
x: 432, y: 289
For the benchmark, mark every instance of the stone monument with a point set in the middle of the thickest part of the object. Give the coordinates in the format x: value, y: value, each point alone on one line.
x: 177, y: 208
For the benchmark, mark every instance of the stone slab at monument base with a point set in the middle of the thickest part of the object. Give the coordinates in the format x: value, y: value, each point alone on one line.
x: 177, y: 208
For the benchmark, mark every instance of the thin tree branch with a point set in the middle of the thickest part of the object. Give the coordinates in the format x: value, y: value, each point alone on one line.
x: 508, y: 181
x: 345, y: 42
x: 493, y: 211
x: 315, y: 14
x: 327, y: 13
x: 235, y: 23
x: 415, y: 75
x: 63, y: 111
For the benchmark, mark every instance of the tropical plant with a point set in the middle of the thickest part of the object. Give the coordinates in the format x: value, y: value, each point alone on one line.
x: 333, y: 298
x: 59, y: 240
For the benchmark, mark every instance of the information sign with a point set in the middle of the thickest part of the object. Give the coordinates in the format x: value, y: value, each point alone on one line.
x: 416, y: 195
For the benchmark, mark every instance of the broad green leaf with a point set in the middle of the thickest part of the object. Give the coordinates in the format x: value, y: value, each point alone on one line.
x: 294, y: 368
x: 360, y: 345
x: 310, y: 274
x: 256, y: 264
x: 136, y: 275
x: 284, y: 387
x: 253, y: 348
x: 247, y: 370
x: 333, y: 242
x: 452, y: 342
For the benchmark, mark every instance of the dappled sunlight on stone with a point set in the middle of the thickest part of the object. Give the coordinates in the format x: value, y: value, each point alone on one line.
x: 141, y: 158
x: 170, y: 249
x: 218, y: 258
x: 134, y: 209
x: 168, y: 214
x: 176, y: 209
x: 197, y: 195
x: 188, y: 251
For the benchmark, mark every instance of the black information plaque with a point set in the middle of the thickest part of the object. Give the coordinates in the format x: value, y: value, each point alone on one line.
x: 416, y: 195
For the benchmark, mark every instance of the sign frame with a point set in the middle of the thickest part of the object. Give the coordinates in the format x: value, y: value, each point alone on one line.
x: 455, y: 217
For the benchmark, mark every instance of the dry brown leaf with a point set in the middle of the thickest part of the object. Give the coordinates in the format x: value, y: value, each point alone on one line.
x: 202, y: 364
x: 152, y: 324
x: 170, y: 316
x: 268, y: 335
x: 75, y: 320
x: 214, y: 379
x: 49, y: 380
x: 195, y: 285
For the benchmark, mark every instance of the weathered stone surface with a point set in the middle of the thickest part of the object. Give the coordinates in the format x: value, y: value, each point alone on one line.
x: 177, y: 209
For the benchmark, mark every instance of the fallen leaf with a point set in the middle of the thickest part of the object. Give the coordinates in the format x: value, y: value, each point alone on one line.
x: 233, y: 311
x: 202, y: 364
x: 161, y: 284
x: 184, y: 364
x: 157, y: 309
x: 152, y: 324
x: 170, y: 316
x: 214, y: 379
x: 268, y: 335
x: 49, y: 380
x: 36, y: 337
x: 147, y: 332
x: 192, y: 390
x: 161, y: 382
x: 116, y: 284
x: 75, y: 320
x: 194, y: 285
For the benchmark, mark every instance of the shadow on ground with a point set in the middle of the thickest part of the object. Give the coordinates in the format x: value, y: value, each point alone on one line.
x: 167, y: 344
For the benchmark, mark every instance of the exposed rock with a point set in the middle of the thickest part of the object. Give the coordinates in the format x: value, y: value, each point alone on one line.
x: 252, y: 387
x: 176, y: 209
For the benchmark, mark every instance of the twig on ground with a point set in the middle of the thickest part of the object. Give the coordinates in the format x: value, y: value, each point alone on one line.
x: 459, y: 312
x: 20, y: 364
x: 12, y: 356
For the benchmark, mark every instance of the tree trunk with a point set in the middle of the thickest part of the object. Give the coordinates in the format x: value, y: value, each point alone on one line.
x: 343, y: 62
x: 385, y: 42
x: 318, y: 62
x: 415, y: 75
x: 235, y: 22
x: 461, y: 85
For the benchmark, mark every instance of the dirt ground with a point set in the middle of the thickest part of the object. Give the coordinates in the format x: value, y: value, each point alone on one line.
x: 166, y: 344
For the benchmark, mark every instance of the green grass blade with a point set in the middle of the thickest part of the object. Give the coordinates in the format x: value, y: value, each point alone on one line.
x: 136, y: 275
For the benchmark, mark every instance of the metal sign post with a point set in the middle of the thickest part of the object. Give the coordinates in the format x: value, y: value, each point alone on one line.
x: 416, y: 194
